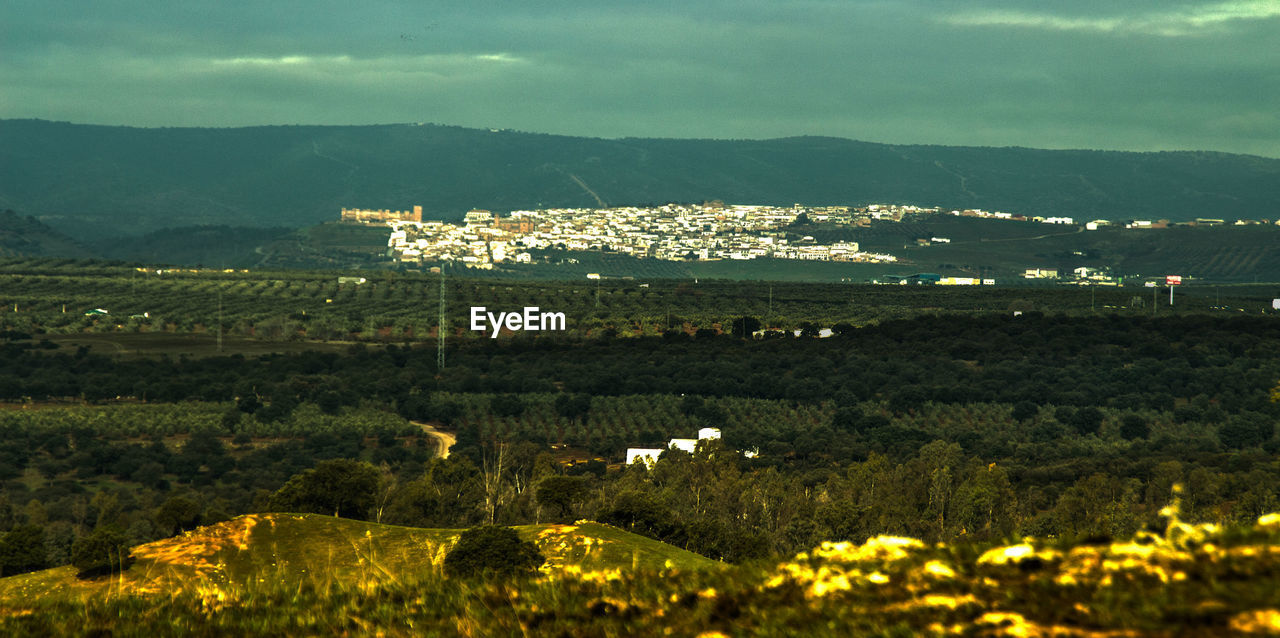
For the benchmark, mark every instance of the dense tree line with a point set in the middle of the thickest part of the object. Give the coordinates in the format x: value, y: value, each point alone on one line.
x: 938, y: 427
x: 146, y: 472
x: 1100, y: 361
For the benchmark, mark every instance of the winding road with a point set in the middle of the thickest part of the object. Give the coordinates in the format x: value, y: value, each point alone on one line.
x: 444, y: 440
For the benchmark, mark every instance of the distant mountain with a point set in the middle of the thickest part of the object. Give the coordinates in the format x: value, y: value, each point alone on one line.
x: 113, y: 180
x: 23, y: 236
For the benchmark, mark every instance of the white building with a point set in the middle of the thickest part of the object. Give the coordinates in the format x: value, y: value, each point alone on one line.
x: 477, y: 216
x: 648, y: 456
x: 688, y: 445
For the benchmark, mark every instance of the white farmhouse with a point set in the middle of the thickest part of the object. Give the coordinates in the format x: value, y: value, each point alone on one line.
x: 688, y: 445
x: 648, y: 456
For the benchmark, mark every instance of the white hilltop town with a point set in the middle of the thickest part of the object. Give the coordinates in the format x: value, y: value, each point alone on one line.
x: 707, y: 231
x: 671, y: 232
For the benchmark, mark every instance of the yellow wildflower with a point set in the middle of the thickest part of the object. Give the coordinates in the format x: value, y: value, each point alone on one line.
x: 825, y: 586
x: 1259, y: 621
x: 1015, y: 554
x: 877, y: 548
x: 938, y: 569
x: 1269, y: 522
x: 1013, y: 624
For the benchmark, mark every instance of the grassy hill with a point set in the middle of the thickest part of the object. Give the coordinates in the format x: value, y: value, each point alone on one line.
x: 108, y: 180
x: 294, y: 575
x: 323, y: 550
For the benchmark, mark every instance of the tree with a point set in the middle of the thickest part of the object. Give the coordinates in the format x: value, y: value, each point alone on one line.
x: 177, y: 513
x: 507, y: 405
x: 689, y: 404
x: 1247, y: 429
x: 344, y: 487
x: 561, y: 493
x: 572, y: 406
x: 1024, y: 410
x: 907, y: 398
x: 494, y: 463
x: 847, y: 419
x: 984, y: 504
x: 639, y: 512
x: 1133, y: 426
x: 22, y: 550
x: 1087, y: 420
x: 712, y: 414
x: 103, y: 551
x: 744, y: 327
x: 494, y: 552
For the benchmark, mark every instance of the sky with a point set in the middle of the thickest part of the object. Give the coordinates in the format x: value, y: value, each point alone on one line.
x: 1134, y: 75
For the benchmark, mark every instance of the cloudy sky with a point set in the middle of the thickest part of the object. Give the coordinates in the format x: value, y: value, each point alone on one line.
x: 1133, y: 75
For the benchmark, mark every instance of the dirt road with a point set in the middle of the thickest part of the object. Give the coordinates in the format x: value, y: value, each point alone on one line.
x: 444, y: 440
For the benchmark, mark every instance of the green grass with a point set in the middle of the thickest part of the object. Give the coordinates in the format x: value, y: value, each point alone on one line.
x: 325, y: 551
x: 379, y: 580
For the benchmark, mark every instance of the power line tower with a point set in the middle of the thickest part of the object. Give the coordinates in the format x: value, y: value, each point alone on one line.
x: 440, y: 324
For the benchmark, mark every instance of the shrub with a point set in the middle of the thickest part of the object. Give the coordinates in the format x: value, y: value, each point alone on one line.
x: 103, y: 551
x: 22, y: 550
x: 341, y: 487
x: 492, y: 551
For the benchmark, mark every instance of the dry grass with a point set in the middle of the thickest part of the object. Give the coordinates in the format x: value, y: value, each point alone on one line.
x: 310, y: 575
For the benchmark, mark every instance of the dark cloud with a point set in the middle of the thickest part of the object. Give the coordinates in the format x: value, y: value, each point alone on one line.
x: 1137, y: 75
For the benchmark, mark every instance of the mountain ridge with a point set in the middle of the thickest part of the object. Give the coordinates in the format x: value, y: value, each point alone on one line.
x: 93, y: 180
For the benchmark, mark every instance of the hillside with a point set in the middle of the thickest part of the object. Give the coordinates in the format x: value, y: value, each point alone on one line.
x: 108, y: 180
x: 213, y: 246
x: 1003, y: 249
x: 1190, y: 580
x: 23, y: 236
x: 321, y: 549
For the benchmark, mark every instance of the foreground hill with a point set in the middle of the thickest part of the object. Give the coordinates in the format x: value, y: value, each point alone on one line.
x: 321, y: 550
x: 109, y: 179
x: 1192, y: 580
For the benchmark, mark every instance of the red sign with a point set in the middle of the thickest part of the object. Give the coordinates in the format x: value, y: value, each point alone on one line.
x: 1172, y: 280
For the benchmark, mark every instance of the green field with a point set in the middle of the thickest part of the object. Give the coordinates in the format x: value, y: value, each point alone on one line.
x: 50, y: 297
x: 202, y: 344
x: 1226, y: 254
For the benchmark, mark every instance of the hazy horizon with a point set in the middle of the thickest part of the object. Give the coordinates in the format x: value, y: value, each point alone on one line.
x: 614, y: 138
x: 1145, y: 76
